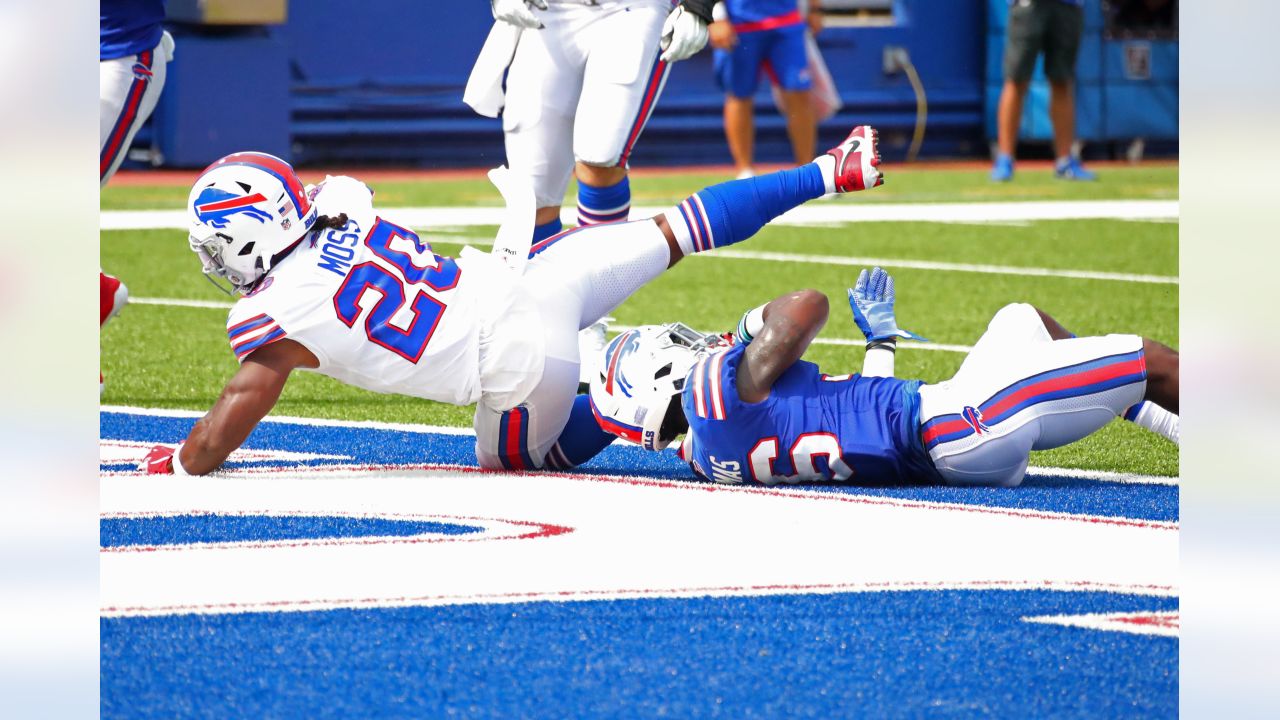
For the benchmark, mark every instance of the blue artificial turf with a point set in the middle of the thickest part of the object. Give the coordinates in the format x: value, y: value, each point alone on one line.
x: 220, y: 528
x: 965, y: 653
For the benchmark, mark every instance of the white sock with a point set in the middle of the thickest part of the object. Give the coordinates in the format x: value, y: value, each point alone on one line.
x: 1151, y: 416
x: 827, y: 164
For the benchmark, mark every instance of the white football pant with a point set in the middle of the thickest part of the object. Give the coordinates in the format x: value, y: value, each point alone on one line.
x: 128, y: 89
x: 582, y: 88
x: 1019, y: 390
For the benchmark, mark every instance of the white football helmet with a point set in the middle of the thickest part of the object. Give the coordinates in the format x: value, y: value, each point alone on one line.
x: 636, y: 394
x: 246, y: 209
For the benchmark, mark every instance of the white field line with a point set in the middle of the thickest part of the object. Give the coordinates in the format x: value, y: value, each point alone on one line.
x: 216, y: 305
x: 1098, y: 475
x: 939, y: 266
x: 425, y: 218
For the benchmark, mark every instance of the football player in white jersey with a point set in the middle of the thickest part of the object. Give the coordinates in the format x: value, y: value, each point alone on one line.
x: 330, y: 286
x: 582, y: 78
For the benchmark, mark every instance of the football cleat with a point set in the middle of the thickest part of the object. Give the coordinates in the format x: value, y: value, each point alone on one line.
x: 857, y: 162
x: 112, y: 295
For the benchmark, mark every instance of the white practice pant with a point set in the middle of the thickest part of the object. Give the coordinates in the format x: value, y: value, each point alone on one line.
x: 582, y: 88
x: 1019, y: 390
x: 573, y: 279
x: 128, y: 89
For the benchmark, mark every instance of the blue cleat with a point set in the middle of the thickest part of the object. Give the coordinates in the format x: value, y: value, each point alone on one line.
x: 1071, y: 169
x: 1002, y: 171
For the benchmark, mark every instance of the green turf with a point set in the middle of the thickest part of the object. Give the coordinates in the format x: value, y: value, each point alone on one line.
x: 164, y: 356
x: 1151, y: 182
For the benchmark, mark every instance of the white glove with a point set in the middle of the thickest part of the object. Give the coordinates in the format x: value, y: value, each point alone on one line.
x: 517, y: 12
x: 683, y: 34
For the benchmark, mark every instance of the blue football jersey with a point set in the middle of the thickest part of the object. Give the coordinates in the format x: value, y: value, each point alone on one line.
x: 812, y: 427
x: 127, y: 27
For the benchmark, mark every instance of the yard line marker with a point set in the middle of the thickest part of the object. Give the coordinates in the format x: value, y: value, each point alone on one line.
x: 940, y: 266
x: 1097, y: 475
x: 425, y: 218
x: 179, y: 302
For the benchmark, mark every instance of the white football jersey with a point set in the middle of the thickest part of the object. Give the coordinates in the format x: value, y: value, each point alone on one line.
x: 374, y: 304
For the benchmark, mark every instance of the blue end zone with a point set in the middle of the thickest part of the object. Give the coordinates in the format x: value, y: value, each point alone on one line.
x: 214, y: 528
x: 375, y: 446
x: 888, y: 654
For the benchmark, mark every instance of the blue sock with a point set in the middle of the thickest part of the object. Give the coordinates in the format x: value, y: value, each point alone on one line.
x: 546, y: 230
x: 610, y: 203
x: 731, y: 212
x: 581, y: 440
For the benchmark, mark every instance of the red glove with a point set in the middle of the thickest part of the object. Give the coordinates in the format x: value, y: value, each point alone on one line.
x: 159, y: 461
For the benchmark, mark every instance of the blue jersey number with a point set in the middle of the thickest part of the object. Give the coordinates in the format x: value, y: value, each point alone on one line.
x: 414, y: 266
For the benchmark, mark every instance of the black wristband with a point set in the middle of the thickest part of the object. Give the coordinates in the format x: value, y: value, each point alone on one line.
x: 701, y: 8
x: 891, y: 345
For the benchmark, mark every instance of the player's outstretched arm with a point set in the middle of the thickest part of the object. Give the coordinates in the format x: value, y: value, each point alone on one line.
x: 790, y: 323
x: 247, y: 398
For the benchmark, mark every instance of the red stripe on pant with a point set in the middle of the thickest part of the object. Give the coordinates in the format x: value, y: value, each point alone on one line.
x: 515, y: 419
x: 646, y: 109
x: 1066, y: 382
x: 128, y: 115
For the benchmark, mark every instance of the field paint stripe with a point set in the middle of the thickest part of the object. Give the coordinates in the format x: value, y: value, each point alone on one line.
x: 290, y: 420
x: 425, y: 218
x: 635, y: 594
x: 178, y: 302
x: 940, y: 266
x: 214, y: 305
x: 1099, y: 475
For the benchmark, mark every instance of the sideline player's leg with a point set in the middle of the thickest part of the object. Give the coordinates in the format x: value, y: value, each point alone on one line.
x: 543, y: 86
x: 128, y: 89
x: 621, y: 85
x: 1012, y: 396
x: 578, y: 276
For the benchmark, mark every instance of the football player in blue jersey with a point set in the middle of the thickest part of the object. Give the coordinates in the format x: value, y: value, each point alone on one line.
x: 752, y: 410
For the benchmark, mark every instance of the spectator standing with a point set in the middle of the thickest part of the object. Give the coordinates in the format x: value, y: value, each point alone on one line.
x: 753, y: 37
x: 1052, y: 27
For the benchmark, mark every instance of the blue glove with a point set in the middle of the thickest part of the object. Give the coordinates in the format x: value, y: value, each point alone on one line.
x: 871, y: 300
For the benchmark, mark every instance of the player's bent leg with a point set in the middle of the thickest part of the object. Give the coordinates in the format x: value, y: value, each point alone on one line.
x: 1048, y: 395
x: 1162, y: 374
x: 521, y: 437
x: 601, y: 265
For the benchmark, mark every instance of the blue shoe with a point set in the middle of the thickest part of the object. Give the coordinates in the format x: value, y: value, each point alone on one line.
x: 1002, y: 171
x: 1071, y: 169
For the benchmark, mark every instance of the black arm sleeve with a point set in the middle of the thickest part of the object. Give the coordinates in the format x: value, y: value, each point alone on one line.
x: 701, y: 8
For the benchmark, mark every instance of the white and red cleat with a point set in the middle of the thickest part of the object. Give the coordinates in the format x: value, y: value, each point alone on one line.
x: 113, y: 295
x: 857, y: 162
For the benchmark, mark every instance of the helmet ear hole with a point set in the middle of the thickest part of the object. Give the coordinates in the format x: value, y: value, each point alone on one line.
x: 674, y: 422
x: 662, y: 372
x: 248, y: 248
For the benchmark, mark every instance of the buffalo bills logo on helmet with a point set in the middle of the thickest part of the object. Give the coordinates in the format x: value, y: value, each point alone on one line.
x: 622, y: 346
x: 973, y: 416
x: 214, y: 207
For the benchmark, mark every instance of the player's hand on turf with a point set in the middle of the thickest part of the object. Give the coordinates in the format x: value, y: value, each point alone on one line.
x: 518, y: 12
x: 871, y: 299
x: 683, y: 34
x: 159, y: 461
